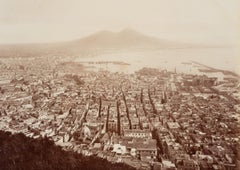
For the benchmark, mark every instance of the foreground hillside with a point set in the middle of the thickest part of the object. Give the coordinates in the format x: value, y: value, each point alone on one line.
x: 20, y: 152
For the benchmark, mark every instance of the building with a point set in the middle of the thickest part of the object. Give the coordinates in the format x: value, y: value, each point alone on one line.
x: 137, y: 133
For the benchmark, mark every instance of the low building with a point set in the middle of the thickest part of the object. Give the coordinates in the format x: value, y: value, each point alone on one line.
x: 137, y: 133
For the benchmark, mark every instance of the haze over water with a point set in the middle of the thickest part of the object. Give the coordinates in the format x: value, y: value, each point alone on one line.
x: 220, y: 58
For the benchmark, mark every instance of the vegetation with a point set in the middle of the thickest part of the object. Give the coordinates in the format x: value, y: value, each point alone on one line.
x: 148, y: 72
x: 78, y: 80
x: 20, y: 152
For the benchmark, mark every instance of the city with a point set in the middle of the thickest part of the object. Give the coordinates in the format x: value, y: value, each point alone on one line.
x: 151, y: 119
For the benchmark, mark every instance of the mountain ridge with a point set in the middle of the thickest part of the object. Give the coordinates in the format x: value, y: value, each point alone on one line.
x: 102, y: 41
x: 123, y: 39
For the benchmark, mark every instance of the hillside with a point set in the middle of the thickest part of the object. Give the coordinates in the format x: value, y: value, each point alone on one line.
x: 20, y: 152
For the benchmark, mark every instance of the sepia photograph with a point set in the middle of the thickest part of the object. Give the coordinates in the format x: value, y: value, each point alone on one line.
x: 119, y: 84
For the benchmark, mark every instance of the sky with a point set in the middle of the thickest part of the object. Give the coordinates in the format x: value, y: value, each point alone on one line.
x: 207, y: 21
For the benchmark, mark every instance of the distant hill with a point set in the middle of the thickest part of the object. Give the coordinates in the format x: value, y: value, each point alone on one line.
x: 20, y: 152
x: 98, y: 43
x: 126, y: 38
